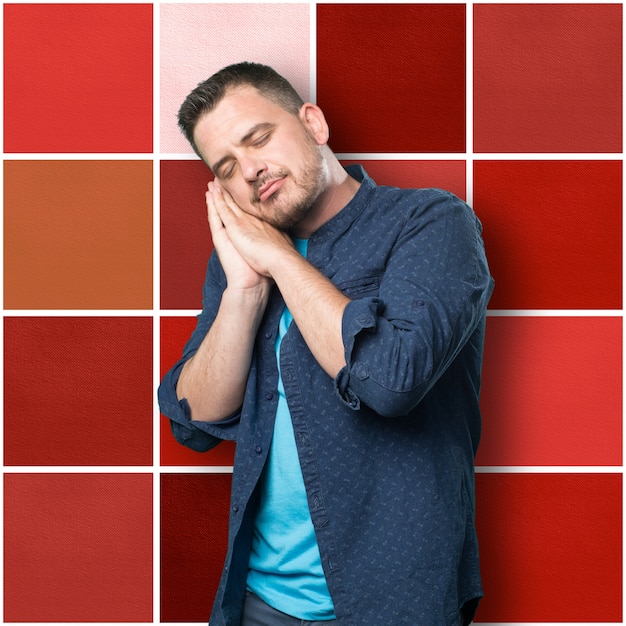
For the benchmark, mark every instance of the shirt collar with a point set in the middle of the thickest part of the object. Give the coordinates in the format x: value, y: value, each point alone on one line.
x: 349, y: 213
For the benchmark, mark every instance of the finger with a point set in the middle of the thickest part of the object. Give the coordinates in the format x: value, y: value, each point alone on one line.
x: 225, y: 200
x: 215, y: 221
x: 222, y: 210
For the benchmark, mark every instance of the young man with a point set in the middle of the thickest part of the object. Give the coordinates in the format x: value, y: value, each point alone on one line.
x: 340, y: 344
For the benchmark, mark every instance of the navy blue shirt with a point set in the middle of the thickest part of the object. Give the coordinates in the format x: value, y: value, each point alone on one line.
x: 387, y: 448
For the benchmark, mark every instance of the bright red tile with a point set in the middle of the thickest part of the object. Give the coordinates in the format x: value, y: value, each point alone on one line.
x: 552, y: 391
x: 185, y: 236
x: 194, y: 526
x: 78, y: 391
x: 78, y: 547
x: 551, y: 547
x: 391, y: 77
x: 78, y: 78
x: 553, y: 232
x: 175, y: 332
x: 548, y: 77
x: 448, y: 175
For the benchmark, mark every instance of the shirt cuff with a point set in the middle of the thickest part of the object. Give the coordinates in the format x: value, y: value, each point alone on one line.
x: 359, y: 316
x: 197, y: 435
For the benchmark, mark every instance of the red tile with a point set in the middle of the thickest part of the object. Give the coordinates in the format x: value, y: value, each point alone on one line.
x: 553, y: 232
x: 194, y: 526
x: 448, y: 175
x: 551, y: 547
x: 78, y: 548
x: 548, y: 77
x: 175, y: 332
x: 78, y: 78
x: 185, y: 236
x: 552, y: 391
x: 391, y: 77
x: 78, y: 391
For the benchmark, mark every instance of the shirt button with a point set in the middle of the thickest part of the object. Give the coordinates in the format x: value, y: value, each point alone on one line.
x: 361, y: 371
x: 258, y: 449
x: 269, y: 395
x: 235, y: 508
x: 268, y: 334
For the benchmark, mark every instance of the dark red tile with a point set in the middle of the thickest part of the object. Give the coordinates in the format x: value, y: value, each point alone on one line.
x: 185, y: 236
x: 78, y: 391
x: 194, y: 526
x: 391, y: 77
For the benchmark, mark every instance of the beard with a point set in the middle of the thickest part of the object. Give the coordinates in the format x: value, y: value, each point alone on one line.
x: 293, y: 202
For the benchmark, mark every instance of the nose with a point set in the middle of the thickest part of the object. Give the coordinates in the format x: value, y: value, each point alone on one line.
x: 252, y: 167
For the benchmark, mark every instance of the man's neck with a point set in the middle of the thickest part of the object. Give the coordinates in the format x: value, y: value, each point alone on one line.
x: 337, y: 194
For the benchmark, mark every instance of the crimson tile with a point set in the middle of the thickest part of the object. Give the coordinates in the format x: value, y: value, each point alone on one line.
x: 548, y: 77
x: 552, y: 391
x: 185, y: 236
x: 194, y: 526
x: 78, y: 548
x: 78, y: 77
x: 391, y: 77
x: 553, y: 232
x: 551, y: 547
x: 78, y: 391
x: 175, y: 332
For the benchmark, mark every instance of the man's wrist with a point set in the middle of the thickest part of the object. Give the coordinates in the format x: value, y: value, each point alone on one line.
x: 247, y: 297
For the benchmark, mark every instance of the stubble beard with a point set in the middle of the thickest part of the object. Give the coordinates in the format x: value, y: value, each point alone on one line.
x: 285, y: 212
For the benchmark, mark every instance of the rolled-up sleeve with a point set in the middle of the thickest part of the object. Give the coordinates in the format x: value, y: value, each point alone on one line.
x: 197, y: 435
x: 432, y: 296
x: 359, y: 317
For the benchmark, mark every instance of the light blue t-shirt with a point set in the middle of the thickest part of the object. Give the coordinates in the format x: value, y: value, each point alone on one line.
x: 285, y: 565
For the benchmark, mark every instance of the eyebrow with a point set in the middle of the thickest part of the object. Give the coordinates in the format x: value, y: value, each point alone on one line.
x: 262, y: 126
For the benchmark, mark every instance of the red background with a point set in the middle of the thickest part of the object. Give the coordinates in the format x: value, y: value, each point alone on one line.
x: 542, y: 164
x: 547, y: 77
x: 78, y: 78
x: 78, y: 547
x: 85, y: 399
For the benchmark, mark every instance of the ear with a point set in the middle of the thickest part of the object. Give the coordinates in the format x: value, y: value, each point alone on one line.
x: 313, y: 119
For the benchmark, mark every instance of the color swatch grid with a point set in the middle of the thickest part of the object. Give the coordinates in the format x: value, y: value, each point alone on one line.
x: 516, y: 107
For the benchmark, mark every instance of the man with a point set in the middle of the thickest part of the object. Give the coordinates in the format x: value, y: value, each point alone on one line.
x: 340, y: 344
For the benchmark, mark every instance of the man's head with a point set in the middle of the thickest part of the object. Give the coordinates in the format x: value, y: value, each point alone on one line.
x: 209, y: 93
x: 265, y: 146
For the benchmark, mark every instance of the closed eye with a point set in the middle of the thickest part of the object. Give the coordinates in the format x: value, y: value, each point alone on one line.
x: 228, y: 171
x: 261, y: 141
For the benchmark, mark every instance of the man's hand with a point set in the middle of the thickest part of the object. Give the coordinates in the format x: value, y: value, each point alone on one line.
x: 257, y: 244
x: 316, y: 304
x: 239, y: 273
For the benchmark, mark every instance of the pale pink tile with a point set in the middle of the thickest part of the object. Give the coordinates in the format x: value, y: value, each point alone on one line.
x: 199, y: 39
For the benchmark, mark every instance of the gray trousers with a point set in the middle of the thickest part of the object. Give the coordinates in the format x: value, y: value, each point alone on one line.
x: 258, y: 613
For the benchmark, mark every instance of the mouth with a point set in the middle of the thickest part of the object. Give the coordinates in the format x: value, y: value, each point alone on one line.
x: 267, y: 190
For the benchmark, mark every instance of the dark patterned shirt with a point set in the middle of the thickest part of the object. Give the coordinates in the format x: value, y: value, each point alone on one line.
x: 387, y: 448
